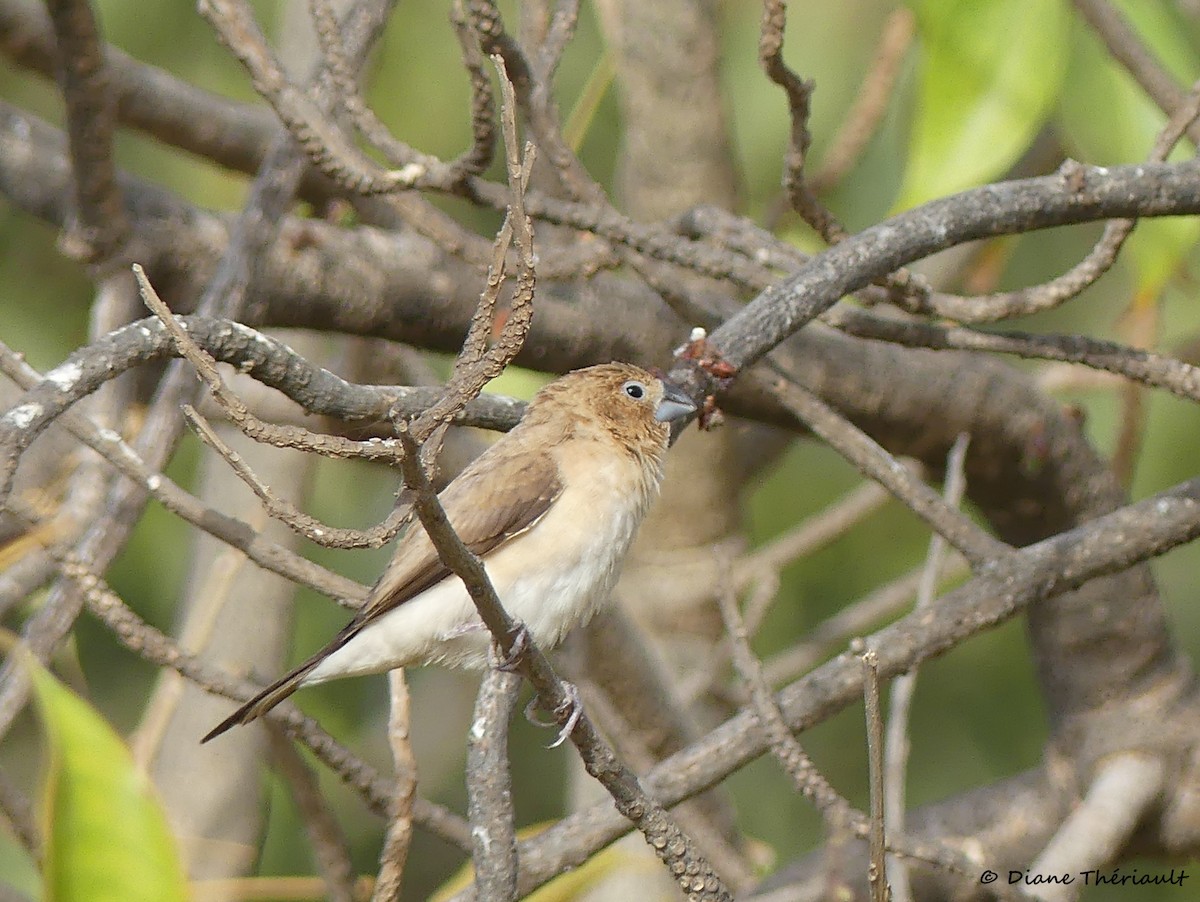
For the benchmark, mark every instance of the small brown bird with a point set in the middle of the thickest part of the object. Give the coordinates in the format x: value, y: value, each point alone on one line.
x: 551, y: 508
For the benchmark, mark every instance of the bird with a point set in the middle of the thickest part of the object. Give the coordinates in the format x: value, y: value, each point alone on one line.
x: 551, y: 508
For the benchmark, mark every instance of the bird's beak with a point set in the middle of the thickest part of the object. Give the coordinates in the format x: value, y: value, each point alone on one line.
x: 675, y: 405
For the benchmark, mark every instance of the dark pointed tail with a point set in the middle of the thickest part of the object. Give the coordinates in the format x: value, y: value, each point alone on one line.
x: 267, y: 699
x: 286, y: 685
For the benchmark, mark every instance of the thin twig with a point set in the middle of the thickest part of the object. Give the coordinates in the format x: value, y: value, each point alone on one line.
x: 877, y: 838
x: 808, y: 780
x: 1128, y: 49
x: 558, y: 34
x: 861, y: 450
x: 161, y: 428
x: 799, y: 94
x: 328, y: 842
x: 761, y: 567
x: 287, y: 513
x: 399, y: 154
x: 477, y: 364
x: 852, y: 620
x: 839, y: 816
x: 1155, y: 370
x: 865, y: 114
x: 1048, y: 295
x: 537, y: 102
x: 236, y: 409
x: 398, y: 839
x: 482, y: 151
x: 160, y: 650
x: 812, y: 533
x: 319, y: 135
x: 904, y: 686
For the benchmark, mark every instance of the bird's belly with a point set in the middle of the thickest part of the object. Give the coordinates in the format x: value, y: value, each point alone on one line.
x: 433, y: 626
x: 551, y: 592
x: 576, y: 573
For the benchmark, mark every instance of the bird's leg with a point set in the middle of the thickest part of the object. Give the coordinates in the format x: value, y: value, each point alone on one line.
x: 463, y: 629
x: 571, y: 708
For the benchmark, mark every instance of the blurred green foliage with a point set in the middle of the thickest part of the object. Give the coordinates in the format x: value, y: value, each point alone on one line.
x: 978, y: 716
x: 106, y: 834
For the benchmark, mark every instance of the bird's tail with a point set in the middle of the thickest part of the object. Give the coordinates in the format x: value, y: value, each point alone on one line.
x: 265, y: 700
x: 282, y: 687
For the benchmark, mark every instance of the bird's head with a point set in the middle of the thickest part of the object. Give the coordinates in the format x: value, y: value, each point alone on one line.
x: 632, y: 404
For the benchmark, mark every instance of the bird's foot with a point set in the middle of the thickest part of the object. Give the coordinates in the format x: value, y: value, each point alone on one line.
x: 571, y: 709
x: 508, y: 662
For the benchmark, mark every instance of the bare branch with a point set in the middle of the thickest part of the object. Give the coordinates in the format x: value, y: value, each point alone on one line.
x: 153, y: 646
x: 799, y: 94
x: 896, y: 751
x: 328, y: 842
x: 877, y: 872
x: 1005, y: 305
x: 1032, y: 575
x: 977, y: 546
x: 1130, y: 51
x: 398, y: 838
x: 91, y: 122
x: 1123, y: 789
x: 235, y: 533
x: 489, y: 787
x: 284, y: 511
x: 1146, y: 367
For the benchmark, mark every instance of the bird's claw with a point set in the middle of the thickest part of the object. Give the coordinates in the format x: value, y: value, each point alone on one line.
x: 507, y: 662
x: 571, y: 708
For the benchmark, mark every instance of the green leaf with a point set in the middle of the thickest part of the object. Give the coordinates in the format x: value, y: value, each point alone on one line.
x: 1107, y: 118
x: 106, y: 834
x: 990, y: 72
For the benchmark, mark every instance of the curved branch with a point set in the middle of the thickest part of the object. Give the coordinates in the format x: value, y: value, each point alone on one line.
x: 259, y: 356
x: 1073, y: 195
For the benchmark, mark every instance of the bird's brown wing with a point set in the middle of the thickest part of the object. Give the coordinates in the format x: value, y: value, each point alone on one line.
x: 487, y: 506
x: 494, y: 500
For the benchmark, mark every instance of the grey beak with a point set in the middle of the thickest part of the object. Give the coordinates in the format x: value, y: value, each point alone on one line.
x: 675, y: 405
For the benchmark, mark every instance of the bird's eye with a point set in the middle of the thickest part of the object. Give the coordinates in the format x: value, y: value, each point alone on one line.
x: 635, y: 390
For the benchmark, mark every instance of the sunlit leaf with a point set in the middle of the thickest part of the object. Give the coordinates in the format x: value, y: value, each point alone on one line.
x: 990, y: 72
x: 106, y: 836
